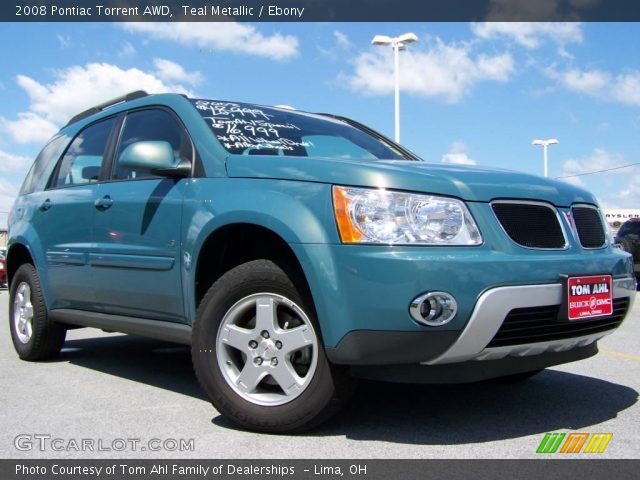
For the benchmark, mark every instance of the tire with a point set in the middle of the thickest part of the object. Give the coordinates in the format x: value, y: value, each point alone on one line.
x: 243, y: 373
x: 34, y: 335
x: 516, y: 377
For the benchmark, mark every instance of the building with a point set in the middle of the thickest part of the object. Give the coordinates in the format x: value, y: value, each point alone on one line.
x: 617, y: 216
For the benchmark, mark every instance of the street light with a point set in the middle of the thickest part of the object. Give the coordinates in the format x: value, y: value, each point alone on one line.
x: 398, y: 44
x: 544, y: 144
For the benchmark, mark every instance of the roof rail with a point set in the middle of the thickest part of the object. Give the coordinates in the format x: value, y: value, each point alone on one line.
x: 110, y: 103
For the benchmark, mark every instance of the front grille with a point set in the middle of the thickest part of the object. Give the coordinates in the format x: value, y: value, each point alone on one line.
x: 589, y: 227
x: 530, y: 225
x: 540, y: 324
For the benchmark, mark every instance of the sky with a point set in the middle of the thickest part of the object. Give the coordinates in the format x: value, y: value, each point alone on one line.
x: 474, y: 94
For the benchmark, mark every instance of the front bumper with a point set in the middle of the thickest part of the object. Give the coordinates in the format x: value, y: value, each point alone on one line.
x: 441, y: 347
x: 467, y: 372
x: 362, y: 288
x: 494, y: 305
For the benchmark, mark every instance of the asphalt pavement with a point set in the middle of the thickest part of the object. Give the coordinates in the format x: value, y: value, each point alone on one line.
x: 118, y: 396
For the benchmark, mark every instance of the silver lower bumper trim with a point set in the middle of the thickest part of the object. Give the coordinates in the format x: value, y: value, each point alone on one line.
x: 537, y: 348
x: 493, y: 306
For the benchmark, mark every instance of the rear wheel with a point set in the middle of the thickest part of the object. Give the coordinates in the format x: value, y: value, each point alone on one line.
x: 258, y: 353
x: 34, y: 335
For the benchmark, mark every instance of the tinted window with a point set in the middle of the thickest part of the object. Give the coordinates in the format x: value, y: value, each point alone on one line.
x: 43, y: 165
x: 250, y: 129
x: 151, y: 125
x: 82, y: 160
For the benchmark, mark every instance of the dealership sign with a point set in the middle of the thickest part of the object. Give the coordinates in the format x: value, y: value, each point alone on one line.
x: 589, y: 296
x: 617, y: 216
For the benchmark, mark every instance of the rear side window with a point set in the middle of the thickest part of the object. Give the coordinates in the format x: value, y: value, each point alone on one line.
x: 151, y: 125
x: 43, y: 166
x: 82, y: 160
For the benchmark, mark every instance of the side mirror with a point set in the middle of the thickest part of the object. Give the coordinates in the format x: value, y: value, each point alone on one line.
x: 155, y: 156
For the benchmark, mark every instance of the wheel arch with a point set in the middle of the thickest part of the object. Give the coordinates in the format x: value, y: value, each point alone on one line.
x: 17, y: 255
x: 233, y: 244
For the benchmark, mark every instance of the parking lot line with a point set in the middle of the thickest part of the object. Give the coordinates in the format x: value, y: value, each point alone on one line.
x: 626, y: 356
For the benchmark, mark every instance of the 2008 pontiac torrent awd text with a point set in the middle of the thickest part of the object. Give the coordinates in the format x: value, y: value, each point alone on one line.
x: 295, y: 252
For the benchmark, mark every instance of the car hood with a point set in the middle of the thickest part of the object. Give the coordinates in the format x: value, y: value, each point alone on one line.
x: 467, y: 183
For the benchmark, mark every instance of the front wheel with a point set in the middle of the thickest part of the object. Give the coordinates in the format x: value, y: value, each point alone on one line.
x: 257, y: 352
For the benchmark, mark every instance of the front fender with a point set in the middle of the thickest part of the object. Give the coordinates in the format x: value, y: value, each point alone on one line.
x: 213, y: 203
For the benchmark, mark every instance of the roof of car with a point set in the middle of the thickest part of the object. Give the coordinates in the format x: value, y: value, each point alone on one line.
x: 128, y: 97
x: 140, y: 98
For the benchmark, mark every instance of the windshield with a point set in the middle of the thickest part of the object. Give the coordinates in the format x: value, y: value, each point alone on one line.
x: 247, y: 129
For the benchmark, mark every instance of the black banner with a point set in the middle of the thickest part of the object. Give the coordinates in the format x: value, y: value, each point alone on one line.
x: 124, y: 469
x: 318, y: 10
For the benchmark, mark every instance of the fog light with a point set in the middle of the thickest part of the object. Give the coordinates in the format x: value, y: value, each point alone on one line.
x: 433, y: 308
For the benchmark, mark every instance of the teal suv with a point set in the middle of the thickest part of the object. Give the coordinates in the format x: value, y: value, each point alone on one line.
x: 295, y: 252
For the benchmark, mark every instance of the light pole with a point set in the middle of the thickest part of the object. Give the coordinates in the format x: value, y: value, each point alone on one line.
x: 544, y: 144
x: 397, y: 43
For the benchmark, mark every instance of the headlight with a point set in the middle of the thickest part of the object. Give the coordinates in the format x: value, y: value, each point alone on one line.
x: 367, y: 215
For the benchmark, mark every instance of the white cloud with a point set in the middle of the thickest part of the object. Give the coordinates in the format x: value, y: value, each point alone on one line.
x: 223, y: 36
x: 630, y: 194
x: 127, y: 50
x: 625, y: 196
x: 172, y: 72
x: 75, y: 89
x: 599, y: 159
x: 8, y: 193
x: 339, y: 46
x: 446, y: 71
x: 530, y: 34
x: 342, y: 39
x: 458, y: 154
x: 576, y: 181
x: 622, y: 88
x: 64, y: 40
x: 29, y: 127
x: 590, y: 82
x: 627, y: 88
x: 10, y: 162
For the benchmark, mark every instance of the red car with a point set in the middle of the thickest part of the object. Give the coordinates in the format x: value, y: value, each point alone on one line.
x: 3, y: 272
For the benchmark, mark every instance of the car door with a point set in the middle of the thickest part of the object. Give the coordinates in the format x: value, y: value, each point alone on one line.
x: 64, y: 216
x: 137, y: 226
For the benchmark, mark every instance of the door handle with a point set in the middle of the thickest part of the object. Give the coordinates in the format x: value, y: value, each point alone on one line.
x: 46, y: 205
x: 103, y: 203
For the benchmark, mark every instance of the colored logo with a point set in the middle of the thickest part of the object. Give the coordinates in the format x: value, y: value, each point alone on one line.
x: 574, y: 443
